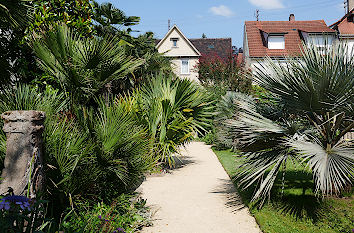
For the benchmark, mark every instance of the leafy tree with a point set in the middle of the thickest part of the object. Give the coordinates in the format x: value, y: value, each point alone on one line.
x: 76, y: 14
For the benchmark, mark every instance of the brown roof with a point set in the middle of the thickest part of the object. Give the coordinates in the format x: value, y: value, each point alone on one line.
x: 291, y: 34
x: 221, y: 47
x: 344, y: 26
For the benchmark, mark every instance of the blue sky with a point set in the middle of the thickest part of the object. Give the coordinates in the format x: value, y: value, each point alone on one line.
x: 222, y: 18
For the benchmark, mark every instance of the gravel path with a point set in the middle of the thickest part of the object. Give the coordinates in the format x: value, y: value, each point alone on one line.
x: 196, y: 197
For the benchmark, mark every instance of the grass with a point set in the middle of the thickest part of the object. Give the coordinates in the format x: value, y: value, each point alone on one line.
x: 297, y: 210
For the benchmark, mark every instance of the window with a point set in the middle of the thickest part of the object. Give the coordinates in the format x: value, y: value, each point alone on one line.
x: 174, y: 42
x: 276, y: 42
x: 185, y: 66
x: 321, y: 41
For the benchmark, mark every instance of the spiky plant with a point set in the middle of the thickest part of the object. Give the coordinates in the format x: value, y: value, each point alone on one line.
x: 82, y: 67
x: 173, y: 110
x: 318, y: 89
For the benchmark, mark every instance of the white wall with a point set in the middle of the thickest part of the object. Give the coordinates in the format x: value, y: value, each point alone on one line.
x: 183, y: 48
x: 193, y: 72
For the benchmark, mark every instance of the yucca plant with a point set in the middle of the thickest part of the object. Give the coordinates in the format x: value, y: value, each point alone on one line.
x: 173, y: 110
x: 319, y: 91
x: 83, y: 67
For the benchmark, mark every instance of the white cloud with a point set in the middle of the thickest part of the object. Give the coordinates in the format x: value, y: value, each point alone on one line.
x: 267, y: 4
x: 222, y: 11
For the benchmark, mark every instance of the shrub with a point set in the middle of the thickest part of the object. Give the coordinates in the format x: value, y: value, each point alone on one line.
x: 121, y: 216
x: 173, y: 110
x: 216, y: 71
x: 317, y: 91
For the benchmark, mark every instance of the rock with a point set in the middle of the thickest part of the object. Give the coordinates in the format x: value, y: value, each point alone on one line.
x: 23, y: 161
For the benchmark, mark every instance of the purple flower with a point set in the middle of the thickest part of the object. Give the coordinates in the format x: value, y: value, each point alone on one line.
x: 352, y: 230
x: 4, y: 205
x: 120, y: 230
x: 99, y: 216
x: 22, y: 201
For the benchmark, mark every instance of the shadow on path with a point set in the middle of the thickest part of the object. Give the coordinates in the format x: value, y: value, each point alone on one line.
x: 232, y: 199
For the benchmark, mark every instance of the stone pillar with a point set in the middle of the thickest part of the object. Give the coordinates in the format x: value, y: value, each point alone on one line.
x: 23, y: 161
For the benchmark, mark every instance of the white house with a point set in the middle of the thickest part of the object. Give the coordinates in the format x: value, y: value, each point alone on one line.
x: 345, y: 26
x: 280, y: 39
x: 185, y: 53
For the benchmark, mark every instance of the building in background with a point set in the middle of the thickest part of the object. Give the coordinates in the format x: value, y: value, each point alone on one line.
x: 185, y: 53
x: 280, y: 39
x: 345, y: 26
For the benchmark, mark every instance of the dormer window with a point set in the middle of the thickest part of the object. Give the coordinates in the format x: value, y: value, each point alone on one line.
x: 174, y: 42
x: 276, y: 42
x: 273, y: 40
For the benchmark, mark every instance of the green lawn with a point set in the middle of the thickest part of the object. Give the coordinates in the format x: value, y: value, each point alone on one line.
x: 298, y: 210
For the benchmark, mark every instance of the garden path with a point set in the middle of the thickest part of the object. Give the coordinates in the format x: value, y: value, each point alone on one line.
x: 196, y: 197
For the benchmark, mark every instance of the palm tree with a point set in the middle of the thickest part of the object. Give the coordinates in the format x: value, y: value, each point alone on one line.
x: 319, y: 89
x: 173, y: 110
x: 111, y: 20
x: 17, y: 13
x: 82, y: 67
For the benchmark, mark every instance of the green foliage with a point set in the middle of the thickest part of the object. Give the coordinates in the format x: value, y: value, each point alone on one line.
x: 82, y: 67
x: 102, y: 153
x: 173, y: 110
x: 24, y: 97
x: 294, y: 208
x: 223, y: 72
x: 15, y: 13
x: 317, y: 95
x: 111, y: 20
x: 18, y: 219
x: 121, y: 216
x: 76, y: 14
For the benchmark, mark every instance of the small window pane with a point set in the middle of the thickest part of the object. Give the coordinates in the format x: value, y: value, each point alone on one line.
x: 174, y: 43
x: 276, y: 42
x: 185, y: 67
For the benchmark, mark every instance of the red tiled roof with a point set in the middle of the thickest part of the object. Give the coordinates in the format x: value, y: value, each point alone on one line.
x: 343, y: 26
x: 222, y: 47
x: 292, y: 38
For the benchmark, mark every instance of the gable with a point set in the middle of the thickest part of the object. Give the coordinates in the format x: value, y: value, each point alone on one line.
x: 345, y: 26
x: 184, y: 47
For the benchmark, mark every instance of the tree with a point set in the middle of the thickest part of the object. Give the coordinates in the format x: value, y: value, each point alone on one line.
x: 319, y: 90
x: 76, y: 14
x: 82, y: 67
x: 112, y: 20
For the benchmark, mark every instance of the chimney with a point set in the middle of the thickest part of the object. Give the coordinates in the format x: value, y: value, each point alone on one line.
x: 292, y: 17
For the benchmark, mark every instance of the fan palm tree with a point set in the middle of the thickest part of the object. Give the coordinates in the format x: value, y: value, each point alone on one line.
x: 320, y: 89
x: 82, y: 67
x: 17, y: 13
x: 110, y: 19
x: 173, y: 110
